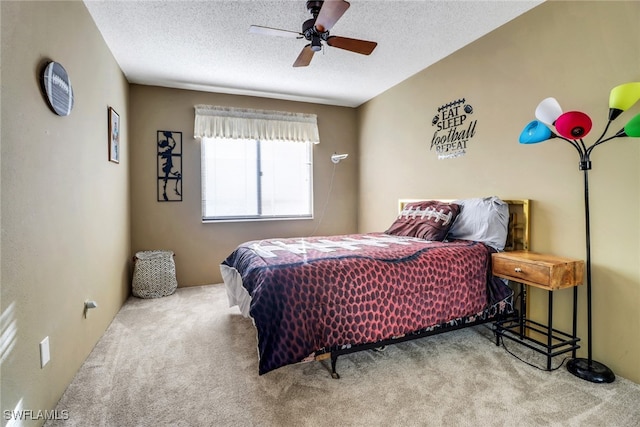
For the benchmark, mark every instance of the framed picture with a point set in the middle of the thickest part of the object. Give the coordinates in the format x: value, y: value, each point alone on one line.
x: 114, y: 136
x: 169, y: 161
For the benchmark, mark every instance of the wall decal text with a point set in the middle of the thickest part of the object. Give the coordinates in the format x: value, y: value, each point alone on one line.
x: 453, y: 129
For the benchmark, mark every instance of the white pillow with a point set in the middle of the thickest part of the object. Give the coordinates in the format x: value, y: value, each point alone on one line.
x: 483, y: 220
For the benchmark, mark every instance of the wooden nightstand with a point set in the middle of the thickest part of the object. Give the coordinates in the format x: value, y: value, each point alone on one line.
x: 547, y: 272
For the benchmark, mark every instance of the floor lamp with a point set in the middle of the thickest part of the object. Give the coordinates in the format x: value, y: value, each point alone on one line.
x: 572, y: 127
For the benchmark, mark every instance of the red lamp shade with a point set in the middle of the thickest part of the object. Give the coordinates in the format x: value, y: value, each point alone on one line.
x: 573, y: 125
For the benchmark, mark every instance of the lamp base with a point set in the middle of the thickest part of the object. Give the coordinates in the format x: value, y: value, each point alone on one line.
x: 595, y: 372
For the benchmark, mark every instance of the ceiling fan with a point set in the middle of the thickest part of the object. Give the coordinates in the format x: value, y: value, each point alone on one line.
x: 325, y: 14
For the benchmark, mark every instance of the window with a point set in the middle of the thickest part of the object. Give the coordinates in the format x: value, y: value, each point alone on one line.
x: 249, y: 179
x: 256, y: 164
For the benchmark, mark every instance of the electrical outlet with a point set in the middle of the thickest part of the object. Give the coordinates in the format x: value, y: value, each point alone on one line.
x: 45, y: 356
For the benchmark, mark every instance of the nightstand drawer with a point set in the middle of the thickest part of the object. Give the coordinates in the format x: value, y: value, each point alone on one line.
x: 522, y: 271
x: 540, y: 270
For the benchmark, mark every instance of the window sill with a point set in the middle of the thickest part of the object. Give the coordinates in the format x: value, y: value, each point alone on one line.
x: 255, y: 219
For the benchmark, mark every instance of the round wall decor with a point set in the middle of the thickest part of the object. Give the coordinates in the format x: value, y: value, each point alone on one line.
x: 58, y: 89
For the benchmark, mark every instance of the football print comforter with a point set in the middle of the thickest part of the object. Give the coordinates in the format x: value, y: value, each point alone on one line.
x: 313, y: 294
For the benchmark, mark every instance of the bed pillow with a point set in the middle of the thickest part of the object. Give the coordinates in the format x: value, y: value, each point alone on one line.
x: 429, y: 220
x: 483, y: 220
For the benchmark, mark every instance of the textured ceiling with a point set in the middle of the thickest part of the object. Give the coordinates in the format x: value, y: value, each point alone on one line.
x: 206, y: 45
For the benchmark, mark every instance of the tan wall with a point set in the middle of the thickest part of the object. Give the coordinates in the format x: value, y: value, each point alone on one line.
x: 576, y: 53
x: 65, y: 207
x: 178, y: 226
x: 66, y: 212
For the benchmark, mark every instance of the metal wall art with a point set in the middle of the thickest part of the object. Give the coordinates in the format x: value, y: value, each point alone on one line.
x: 169, y: 166
x: 114, y: 136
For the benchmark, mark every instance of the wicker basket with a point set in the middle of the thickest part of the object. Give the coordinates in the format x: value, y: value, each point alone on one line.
x: 154, y: 274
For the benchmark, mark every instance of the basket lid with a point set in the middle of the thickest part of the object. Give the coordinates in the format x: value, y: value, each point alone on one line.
x: 144, y: 255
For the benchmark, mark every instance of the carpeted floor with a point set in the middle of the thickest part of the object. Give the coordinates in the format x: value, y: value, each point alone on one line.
x: 189, y: 360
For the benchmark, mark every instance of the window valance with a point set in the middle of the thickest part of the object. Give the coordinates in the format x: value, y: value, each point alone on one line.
x: 235, y: 123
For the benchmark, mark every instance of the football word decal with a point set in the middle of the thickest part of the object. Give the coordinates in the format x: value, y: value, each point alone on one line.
x: 453, y: 129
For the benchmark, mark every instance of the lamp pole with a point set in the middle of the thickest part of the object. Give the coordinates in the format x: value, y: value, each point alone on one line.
x: 588, y: 369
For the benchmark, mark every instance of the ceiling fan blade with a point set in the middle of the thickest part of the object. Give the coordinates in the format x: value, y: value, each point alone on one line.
x: 329, y: 14
x: 266, y: 31
x: 305, y: 57
x: 354, y: 45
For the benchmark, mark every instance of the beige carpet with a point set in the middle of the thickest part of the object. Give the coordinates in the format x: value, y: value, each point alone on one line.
x: 189, y: 360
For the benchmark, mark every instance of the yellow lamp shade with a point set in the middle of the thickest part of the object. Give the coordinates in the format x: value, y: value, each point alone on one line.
x: 622, y: 97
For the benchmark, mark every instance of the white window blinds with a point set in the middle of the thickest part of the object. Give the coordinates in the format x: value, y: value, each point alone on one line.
x: 262, y: 125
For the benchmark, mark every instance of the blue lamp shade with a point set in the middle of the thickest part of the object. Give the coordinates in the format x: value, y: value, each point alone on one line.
x: 535, y: 132
x: 548, y: 111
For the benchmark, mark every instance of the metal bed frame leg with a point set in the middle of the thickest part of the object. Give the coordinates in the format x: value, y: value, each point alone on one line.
x: 334, y: 359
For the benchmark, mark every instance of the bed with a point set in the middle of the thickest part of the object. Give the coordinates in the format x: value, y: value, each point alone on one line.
x: 321, y: 297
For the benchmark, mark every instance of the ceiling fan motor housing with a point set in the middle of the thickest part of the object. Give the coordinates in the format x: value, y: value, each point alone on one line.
x: 309, y: 29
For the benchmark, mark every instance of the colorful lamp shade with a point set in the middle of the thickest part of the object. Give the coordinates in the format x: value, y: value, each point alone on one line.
x: 573, y: 125
x: 548, y: 111
x: 622, y: 97
x: 632, y: 128
x: 535, y: 132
